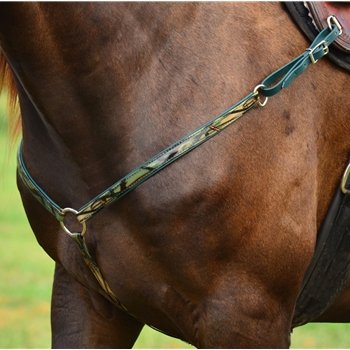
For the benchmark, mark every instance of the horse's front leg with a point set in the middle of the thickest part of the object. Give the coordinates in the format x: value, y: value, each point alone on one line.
x: 84, y: 319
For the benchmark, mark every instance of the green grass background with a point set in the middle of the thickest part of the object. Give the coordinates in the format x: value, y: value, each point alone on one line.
x: 26, y: 279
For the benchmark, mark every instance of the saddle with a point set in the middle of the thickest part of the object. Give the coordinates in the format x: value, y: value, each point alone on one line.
x: 311, y: 17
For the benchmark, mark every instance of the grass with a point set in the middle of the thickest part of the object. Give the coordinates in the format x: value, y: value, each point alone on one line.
x: 26, y: 279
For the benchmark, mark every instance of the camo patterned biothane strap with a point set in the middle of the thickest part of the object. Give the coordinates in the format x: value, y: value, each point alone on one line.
x: 35, y: 189
x: 129, y: 182
x: 143, y: 172
x: 289, y: 72
x: 169, y: 155
x: 284, y: 76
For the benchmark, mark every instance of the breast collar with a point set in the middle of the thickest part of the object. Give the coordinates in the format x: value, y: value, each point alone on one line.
x: 284, y: 76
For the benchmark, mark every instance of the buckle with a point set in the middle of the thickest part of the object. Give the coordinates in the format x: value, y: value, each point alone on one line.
x: 333, y: 19
x: 311, y: 53
x: 344, y: 180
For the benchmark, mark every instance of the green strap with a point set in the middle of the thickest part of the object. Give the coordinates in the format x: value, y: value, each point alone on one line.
x: 91, y: 263
x: 35, y: 189
x: 166, y: 157
x: 130, y: 181
x: 289, y: 72
x: 293, y: 69
x: 143, y: 172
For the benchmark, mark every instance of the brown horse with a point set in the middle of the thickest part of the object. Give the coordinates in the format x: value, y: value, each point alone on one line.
x: 214, y: 248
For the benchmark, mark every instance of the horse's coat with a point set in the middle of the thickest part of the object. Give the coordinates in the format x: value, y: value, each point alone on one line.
x: 214, y: 248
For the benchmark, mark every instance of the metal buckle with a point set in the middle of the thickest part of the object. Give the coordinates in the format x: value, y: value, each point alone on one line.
x: 345, y: 179
x: 63, y: 212
x: 333, y: 19
x: 311, y: 53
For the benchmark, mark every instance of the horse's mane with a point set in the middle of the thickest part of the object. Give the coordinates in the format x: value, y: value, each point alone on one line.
x: 13, y: 115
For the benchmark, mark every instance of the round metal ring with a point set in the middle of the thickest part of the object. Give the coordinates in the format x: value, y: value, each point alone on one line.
x: 75, y: 212
x: 261, y: 104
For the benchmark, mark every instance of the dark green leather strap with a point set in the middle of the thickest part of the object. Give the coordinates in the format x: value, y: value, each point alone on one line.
x: 293, y: 69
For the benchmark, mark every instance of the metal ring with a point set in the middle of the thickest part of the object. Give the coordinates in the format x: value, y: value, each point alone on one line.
x: 333, y: 19
x: 75, y: 212
x: 345, y: 179
x: 256, y: 91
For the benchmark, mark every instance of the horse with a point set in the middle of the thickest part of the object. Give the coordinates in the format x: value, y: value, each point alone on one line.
x: 213, y: 249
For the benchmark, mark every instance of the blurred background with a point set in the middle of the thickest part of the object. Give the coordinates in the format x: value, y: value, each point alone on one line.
x: 26, y: 278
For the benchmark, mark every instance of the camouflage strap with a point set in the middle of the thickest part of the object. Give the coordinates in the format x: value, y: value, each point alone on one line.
x: 282, y: 79
x: 284, y: 76
x: 143, y: 172
x: 129, y: 182
x: 164, y: 158
x: 35, y: 189
x: 91, y: 263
